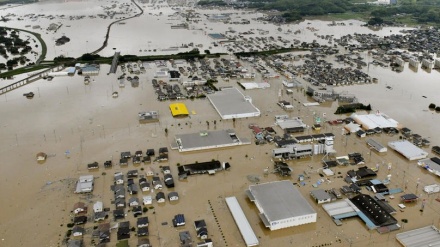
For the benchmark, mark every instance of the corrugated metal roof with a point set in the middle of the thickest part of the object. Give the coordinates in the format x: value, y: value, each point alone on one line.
x: 421, y: 237
x: 243, y: 224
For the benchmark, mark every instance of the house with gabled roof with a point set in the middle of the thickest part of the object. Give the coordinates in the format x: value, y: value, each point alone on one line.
x: 169, y: 181
x: 79, y: 207
x: 160, y: 197
x: 133, y: 201
x: 80, y: 220
x: 119, y: 178
x: 133, y: 189
x: 149, y: 172
x: 123, y: 162
x: 98, y: 207
x: 75, y: 243
x: 144, y: 185
x: 77, y: 231
x: 185, y: 239
x: 100, y: 216
x: 120, y: 202
x: 123, y: 230
x: 104, y: 232
x: 143, y: 242
x: 173, y: 196
x: 157, y: 184
x: 202, y: 231
x: 137, y: 210
x: 166, y: 169
x: 118, y: 214
x: 120, y: 193
x: 141, y: 232
x: 132, y: 174
x: 142, y: 222
x: 137, y: 160
x: 147, y: 200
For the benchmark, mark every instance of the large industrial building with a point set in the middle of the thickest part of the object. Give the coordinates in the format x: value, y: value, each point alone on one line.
x: 207, y: 140
x: 371, y: 121
x: 281, y: 205
x: 231, y: 103
x: 407, y: 149
x: 425, y: 236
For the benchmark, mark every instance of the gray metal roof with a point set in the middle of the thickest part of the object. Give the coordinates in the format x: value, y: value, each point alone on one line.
x: 320, y: 195
x: 240, y: 219
x: 280, y: 200
x: 231, y: 103
x: 207, y: 140
x: 421, y: 237
x: 407, y: 149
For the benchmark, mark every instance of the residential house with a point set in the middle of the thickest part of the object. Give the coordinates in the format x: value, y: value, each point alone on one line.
x: 166, y: 170
x: 147, y: 200
x: 119, y: 178
x: 146, y: 159
x: 123, y: 162
x: 80, y: 220
x: 75, y: 243
x: 163, y: 150
x: 93, y: 166
x: 149, y: 172
x: 123, y: 230
x: 150, y: 152
x: 79, y: 207
x: 179, y: 220
x: 144, y: 185
x: 137, y: 210
x: 185, y: 239
x: 142, y: 232
x: 120, y: 193
x: 157, y: 184
x: 160, y: 197
x: 138, y: 153
x: 143, y: 242
x: 133, y: 189
x: 104, y: 232
x: 206, y: 243
x: 100, y: 216
x: 120, y: 203
x: 130, y: 181
x: 173, y: 196
x: 108, y: 164
x: 132, y: 174
x: 98, y: 207
x: 84, y: 184
x: 126, y: 155
x: 137, y: 160
x: 200, y: 226
x: 169, y: 181
x: 133, y: 201
x: 118, y: 214
x: 142, y: 222
x: 77, y: 231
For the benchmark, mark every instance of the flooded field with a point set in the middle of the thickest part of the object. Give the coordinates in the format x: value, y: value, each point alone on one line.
x: 85, y: 120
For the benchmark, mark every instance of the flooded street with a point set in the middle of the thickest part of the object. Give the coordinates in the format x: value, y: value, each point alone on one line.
x: 67, y: 116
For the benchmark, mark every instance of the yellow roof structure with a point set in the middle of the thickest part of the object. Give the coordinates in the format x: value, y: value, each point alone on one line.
x: 179, y: 110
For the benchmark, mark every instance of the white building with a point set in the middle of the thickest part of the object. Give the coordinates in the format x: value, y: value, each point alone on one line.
x: 281, y: 205
x: 85, y: 184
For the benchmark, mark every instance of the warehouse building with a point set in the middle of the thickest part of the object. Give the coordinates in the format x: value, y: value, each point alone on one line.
x: 407, y: 149
x: 281, y: 205
x: 230, y: 103
x: 425, y: 236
